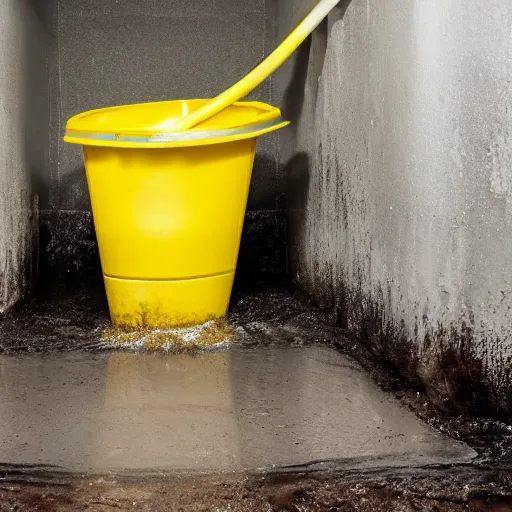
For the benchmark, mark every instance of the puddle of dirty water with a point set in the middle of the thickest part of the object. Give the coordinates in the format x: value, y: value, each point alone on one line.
x: 73, y: 316
x: 246, y: 408
x: 212, y: 335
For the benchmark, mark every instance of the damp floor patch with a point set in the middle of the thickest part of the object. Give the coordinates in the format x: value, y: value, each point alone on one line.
x: 245, y: 408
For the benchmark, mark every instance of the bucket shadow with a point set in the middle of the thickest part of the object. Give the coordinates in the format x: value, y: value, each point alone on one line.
x: 74, y: 192
x: 295, y: 173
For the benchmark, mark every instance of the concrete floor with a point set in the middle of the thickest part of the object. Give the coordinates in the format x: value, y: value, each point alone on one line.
x: 245, y: 408
x: 139, y: 431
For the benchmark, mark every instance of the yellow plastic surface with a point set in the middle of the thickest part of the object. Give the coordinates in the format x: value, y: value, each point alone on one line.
x: 168, y: 220
x: 161, y: 304
x: 169, y: 213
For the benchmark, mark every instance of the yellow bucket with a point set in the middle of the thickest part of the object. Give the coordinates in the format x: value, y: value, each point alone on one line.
x: 169, y: 207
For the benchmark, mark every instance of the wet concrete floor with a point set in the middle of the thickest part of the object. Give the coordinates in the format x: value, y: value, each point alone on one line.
x: 244, y: 408
x: 286, y: 396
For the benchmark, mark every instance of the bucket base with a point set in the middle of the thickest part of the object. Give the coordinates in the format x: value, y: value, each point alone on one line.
x: 163, y: 304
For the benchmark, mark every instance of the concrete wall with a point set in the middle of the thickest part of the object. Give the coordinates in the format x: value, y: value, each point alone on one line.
x: 107, y: 53
x: 398, y: 175
x: 23, y: 141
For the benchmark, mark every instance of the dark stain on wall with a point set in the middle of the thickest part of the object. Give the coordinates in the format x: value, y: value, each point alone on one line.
x: 459, y: 373
x: 19, y: 267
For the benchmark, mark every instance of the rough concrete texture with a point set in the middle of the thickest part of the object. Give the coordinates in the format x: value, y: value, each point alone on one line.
x: 108, y: 53
x: 245, y: 408
x: 23, y: 129
x: 399, y: 187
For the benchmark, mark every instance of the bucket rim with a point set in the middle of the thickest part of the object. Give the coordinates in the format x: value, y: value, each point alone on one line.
x: 268, y: 120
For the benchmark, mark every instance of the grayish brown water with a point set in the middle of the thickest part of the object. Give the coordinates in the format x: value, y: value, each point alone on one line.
x: 245, y: 408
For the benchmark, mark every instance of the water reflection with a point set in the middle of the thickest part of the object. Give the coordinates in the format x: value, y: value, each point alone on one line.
x: 167, y: 411
x: 241, y: 409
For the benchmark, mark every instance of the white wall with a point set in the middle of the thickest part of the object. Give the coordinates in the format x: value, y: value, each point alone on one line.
x: 400, y: 187
x: 23, y: 96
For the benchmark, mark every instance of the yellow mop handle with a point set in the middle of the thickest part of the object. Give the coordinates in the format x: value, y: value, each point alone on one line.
x: 262, y: 71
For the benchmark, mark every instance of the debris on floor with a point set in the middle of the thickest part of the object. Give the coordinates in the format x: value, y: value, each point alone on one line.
x: 213, y: 334
x: 439, y: 490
